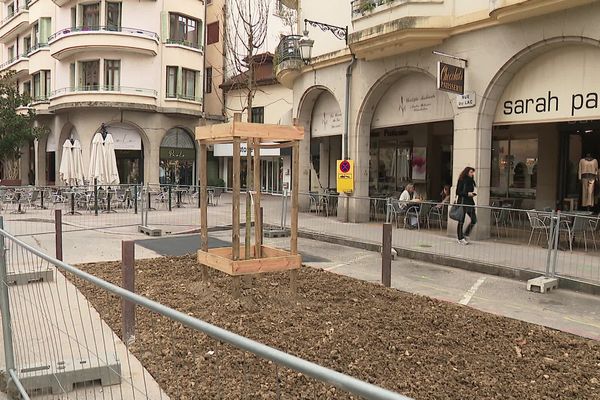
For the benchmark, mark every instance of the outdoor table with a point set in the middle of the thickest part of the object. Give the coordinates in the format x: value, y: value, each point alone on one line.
x: 19, y: 210
x: 211, y: 196
x: 71, y: 194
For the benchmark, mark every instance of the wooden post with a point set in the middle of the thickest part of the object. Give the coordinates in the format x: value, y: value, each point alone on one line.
x: 386, y: 256
x: 128, y: 281
x: 294, y: 222
x: 203, y: 195
x: 257, y: 189
x: 58, y: 234
x: 235, y: 233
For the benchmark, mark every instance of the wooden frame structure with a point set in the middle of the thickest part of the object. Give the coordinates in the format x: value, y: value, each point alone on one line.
x: 261, y: 258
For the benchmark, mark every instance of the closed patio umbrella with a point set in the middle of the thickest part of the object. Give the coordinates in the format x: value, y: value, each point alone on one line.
x: 112, y: 172
x: 97, y: 169
x: 66, y: 170
x: 78, y: 163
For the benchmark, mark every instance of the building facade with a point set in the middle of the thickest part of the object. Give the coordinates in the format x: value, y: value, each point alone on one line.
x: 531, y: 111
x: 135, y: 66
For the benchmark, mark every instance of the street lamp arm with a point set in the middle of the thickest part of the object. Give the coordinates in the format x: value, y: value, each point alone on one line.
x: 338, y: 31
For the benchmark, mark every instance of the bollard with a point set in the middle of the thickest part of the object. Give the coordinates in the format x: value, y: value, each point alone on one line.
x: 9, y: 357
x: 135, y: 196
x: 108, y: 200
x: 170, y: 197
x: 128, y: 283
x: 386, y: 256
x: 42, y: 192
x: 58, y: 234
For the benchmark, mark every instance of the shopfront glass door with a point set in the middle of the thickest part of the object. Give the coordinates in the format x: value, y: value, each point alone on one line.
x: 272, y: 175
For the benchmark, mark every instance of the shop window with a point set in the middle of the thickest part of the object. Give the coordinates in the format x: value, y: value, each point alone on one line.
x: 514, y: 168
x: 177, y: 158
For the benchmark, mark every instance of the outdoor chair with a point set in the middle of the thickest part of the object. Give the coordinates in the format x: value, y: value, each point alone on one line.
x: 395, y: 211
x: 439, y: 213
x: 32, y: 197
x: 581, y: 226
x: 216, y: 196
x: 536, y: 224
x: 502, y: 218
x: 417, y: 211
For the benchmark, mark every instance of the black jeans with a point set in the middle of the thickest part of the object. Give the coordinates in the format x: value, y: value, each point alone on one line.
x: 460, y: 231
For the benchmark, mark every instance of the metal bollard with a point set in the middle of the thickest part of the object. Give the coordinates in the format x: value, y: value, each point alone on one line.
x: 96, y: 196
x: 386, y: 256
x: 170, y: 198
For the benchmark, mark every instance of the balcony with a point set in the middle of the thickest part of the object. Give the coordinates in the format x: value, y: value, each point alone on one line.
x: 514, y: 10
x: 293, y: 4
x: 288, y: 63
x: 60, y: 3
x: 19, y: 64
x: 70, y: 41
x: 124, y: 97
x: 13, y: 24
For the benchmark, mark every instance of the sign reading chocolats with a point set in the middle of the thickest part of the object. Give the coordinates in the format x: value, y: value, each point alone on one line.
x: 450, y: 78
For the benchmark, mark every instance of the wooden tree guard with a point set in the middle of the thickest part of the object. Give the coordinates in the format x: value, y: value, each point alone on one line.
x: 262, y: 258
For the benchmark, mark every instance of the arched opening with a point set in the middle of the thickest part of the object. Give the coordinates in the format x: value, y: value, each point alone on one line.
x: 407, y: 126
x: 177, y: 158
x: 539, y: 114
x: 129, y: 152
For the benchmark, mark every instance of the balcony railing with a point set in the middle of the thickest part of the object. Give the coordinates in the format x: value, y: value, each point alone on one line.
x: 185, y: 43
x: 13, y: 14
x: 288, y: 49
x: 180, y: 96
x: 362, y: 7
x: 13, y: 60
x: 132, y: 31
x: 36, y: 47
x: 104, y: 88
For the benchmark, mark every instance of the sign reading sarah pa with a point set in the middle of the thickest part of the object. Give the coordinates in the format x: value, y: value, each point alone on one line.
x: 450, y: 78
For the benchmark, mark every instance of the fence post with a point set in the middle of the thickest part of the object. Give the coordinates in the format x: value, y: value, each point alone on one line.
x: 96, y: 196
x: 170, y: 197
x: 58, y: 231
x: 135, y: 196
x: 386, y: 256
x: 556, y: 240
x: 128, y: 283
x: 550, y: 242
x: 5, y: 309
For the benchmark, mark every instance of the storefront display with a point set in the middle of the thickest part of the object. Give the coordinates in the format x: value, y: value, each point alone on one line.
x: 588, y: 175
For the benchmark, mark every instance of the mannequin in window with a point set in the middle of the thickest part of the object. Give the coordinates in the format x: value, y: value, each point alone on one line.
x: 588, y: 174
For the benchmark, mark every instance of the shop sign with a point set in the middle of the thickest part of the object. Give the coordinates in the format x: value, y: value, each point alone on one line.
x: 466, y: 100
x: 450, y: 78
x: 226, y: 150
x: 345, y: 176
x: 171, y: 153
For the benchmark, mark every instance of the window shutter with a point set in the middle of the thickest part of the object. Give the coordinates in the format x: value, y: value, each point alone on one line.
x: 198, y: 93
x: 45, y: 29
x: 200, y: 34
x: 164, y: 26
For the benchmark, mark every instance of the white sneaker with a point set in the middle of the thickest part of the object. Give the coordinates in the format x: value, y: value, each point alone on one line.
x: 463, y: 242
x: 467, y: 239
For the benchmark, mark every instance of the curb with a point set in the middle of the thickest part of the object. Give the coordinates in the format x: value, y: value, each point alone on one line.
x: 474, y: 266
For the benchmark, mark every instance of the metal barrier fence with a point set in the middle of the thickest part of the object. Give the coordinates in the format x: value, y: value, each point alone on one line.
x: 504, y: 236
x: 55, y: 343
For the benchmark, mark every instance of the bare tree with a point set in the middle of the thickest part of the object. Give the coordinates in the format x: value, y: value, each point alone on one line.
x: 247, y: 22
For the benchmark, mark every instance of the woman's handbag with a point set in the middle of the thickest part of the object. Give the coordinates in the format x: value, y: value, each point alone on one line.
x: 457, y: 212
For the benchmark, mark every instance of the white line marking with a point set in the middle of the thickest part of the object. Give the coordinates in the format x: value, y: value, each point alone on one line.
x: 364, y: 256
x: 471, y: 292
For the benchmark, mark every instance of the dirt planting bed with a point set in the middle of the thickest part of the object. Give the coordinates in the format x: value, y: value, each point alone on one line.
x: 422, y: 348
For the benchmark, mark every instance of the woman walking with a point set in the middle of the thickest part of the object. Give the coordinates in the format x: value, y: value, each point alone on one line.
x: 465, y: 190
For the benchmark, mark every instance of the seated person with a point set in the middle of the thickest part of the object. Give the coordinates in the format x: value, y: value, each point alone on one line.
x: 408, y: 196
x: 445, y: 196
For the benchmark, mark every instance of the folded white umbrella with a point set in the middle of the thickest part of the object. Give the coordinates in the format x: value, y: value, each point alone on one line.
x: 112, y: 172
x: 66, y: 170
x: 79, y: 172
x: 97, y: 168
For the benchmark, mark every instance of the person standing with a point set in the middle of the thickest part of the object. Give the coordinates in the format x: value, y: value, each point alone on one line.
x: 465, y: 191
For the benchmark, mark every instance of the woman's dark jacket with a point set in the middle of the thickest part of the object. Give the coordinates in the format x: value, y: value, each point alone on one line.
x: 463, y: 188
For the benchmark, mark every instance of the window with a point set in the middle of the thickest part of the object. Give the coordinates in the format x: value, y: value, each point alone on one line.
x: 258, y: 115
x: 72, y: 75
x: 36, y: 34
x: 10, y: 10
x: 209, y: 81
x: 113, y: 16
x: 91, y: 16
x: 212, y: 33
x: 41, y: 85
x: 10, y: 53
x: 73, y: 17
x: 112, y: 74
x: 171, y: 82
x: 27, y: 88
x: 89, y: 75
x: 184, y: 30
x: 514, y: 167
x: 189, y: 84
x: 45, y: 30
x: 27, y: 44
